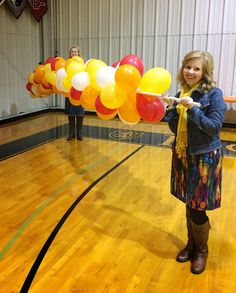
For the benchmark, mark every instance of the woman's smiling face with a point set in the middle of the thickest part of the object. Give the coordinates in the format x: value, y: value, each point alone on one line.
x: 193, y: 71
x: 74, y: 52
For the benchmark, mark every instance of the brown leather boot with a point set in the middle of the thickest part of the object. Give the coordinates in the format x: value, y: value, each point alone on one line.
x: 71, y: 120
x: 200, y: 234
x: 187, y: 253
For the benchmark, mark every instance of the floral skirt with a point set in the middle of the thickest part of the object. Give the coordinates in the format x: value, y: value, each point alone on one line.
x: 196, y: 180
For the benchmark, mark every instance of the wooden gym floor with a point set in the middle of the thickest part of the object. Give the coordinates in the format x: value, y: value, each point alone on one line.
x: 97, y: 216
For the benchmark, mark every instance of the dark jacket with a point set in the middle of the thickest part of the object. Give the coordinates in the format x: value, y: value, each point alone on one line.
x: 204, y: 123
x: 72, y: 110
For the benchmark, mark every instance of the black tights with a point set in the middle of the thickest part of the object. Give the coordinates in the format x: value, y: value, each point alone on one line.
x: 199, y: 217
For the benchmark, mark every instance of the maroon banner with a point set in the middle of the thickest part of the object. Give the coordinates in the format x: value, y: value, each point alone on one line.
x: 16, y: 6
x: 38, y: 8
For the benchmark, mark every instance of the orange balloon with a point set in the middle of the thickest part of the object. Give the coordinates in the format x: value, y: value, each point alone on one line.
x: 60, y: 63
x: 127, y: 77
x: 88, y: 97
x: 106, y: 117
x: 55, y: 90
x: 32, y: 96
x: 44, y: 91
x: 128, y: 112
x: 73, y: 101
x: 39, y: 73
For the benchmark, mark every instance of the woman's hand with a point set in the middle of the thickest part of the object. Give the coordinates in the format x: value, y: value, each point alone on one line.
x: 167, y: 100
x: 186, y: 102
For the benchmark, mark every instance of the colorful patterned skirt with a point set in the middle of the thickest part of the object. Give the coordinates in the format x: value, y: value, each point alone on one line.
x: 196, y: 180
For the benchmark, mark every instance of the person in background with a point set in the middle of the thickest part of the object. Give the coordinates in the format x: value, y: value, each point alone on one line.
x: 196, y: 173
x: 75, y: 113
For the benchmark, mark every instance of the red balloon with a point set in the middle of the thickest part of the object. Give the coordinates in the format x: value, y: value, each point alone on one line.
x: 29, y: 86
x: 116, y: 64
x: 53, y: 62
x: 75, y: 94
x: 101, y: 108
x: 133, y: 60
x: 150, y: 109
x: 49, y: 60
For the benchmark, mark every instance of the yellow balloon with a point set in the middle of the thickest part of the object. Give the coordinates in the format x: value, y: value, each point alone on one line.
x: 78, y: 59
x: 92, y: 68
x: 51, y: 77
x: 74, y: 67
x: 112, y: 96
x: 156, y: 80
x: 45, y: 83
x: 67, y: 62
x: 67, y: 82
x: 31, y: 77
x: 106, y: 117
x: 47, y: 67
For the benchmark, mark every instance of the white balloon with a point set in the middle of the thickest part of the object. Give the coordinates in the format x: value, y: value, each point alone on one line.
x: 105, y: 76
x: 60, y: 87
x: 34, y: 90
x: 61, y: 73
x: 80, y: 81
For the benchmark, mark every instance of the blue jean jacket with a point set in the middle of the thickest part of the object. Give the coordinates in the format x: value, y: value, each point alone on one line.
x: 204, y: 123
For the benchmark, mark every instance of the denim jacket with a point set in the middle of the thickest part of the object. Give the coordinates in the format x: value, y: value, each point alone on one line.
x: 204, y: 123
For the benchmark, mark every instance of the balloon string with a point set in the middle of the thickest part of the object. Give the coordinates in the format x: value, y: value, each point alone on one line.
x: 171, y: 98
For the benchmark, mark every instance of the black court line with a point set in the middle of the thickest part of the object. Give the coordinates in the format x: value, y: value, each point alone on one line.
x: 24, y: 144
x: 118, y: 134
x: 30, y: 277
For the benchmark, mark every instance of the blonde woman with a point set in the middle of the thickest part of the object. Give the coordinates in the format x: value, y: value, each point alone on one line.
x: 197, y: 155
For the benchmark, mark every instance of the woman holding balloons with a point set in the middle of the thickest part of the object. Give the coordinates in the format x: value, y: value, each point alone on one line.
x: 75, y: 113
x: 197, y: 155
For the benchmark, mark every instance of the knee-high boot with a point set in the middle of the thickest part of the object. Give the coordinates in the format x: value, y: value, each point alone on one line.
x: 186, y: 254
x: 79, y: 124
x: 200, y: 235
x: 71, y: 120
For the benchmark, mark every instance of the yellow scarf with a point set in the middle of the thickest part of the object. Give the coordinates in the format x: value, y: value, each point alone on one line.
x: 182, y: 138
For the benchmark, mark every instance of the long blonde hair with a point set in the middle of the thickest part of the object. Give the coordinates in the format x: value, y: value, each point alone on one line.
x: 207, y: 83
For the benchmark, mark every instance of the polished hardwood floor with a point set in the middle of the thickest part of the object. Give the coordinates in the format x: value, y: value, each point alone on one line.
x: 97, y: 215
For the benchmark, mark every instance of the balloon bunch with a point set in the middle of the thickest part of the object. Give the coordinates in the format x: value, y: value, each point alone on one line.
x: 122, y: 89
